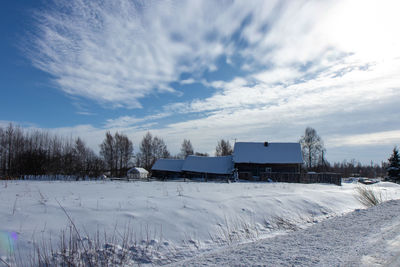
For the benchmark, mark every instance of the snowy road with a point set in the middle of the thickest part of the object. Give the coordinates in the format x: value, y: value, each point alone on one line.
x: 361, y: 238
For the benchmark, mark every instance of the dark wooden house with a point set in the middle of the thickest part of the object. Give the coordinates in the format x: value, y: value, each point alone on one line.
x: 167, y: 168
x: 256, y: 159
x: 208, y: 167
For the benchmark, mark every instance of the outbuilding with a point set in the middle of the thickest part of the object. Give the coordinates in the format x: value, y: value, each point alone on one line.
x: 208, y: 167
x: 137, y: 173
x: 167, y: 168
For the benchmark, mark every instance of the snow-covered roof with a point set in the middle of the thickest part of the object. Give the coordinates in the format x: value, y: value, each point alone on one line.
x: 217, y: 165
x: 171, y: 165
x: 261, y: 153
x: 137, y: 170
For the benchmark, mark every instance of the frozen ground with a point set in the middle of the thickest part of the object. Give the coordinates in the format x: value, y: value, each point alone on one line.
x: 360, y: 238
x: 173, y: 221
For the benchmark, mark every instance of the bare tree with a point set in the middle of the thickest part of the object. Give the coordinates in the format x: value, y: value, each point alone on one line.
x: 201, y: 154
x: 117, y: 151
x: 223, y: 148
x: 80, y: 157
x: 124, y: 152
x: 144, y: 157
x: 186, y: 149
x: 2, y: 152
x: 9, y: 147
x: 312, y: 148
x: 160, y: 149
x: 39, y: 153
x: 151, y: 149
x: 107, y: 149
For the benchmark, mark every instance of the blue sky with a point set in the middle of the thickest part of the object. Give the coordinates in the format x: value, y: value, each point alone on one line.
x: 205, y: 70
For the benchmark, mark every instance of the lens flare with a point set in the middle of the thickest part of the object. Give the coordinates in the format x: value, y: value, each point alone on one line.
x: 7, y: 241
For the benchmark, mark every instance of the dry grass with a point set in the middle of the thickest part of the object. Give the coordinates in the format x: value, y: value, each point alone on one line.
x: 368, y: 196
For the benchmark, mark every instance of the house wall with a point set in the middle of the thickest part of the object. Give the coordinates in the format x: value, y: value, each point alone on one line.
x: 137, y: 175
x: 165, y: 174
x: 258, y: 169
x: 206, y: 176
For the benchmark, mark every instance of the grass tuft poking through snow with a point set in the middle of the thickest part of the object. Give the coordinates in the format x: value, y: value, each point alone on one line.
x: 76, y: 249
x: 368, y: 196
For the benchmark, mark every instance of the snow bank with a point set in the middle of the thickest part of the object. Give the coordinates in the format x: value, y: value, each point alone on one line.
x: 186, y: 218
x: 361, y: 238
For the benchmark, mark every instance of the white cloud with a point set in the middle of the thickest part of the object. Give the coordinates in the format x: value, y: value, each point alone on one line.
x: 278, y: 75
x: 123, y: 121
x: 187, y: 81
x: 118, y: 52
x: 318, y: 63
x: 338, y: 100
x: 121, y: 51
x: 366, y: 139
x: 130, y: 121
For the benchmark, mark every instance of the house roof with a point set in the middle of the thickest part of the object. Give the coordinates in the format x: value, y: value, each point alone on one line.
x: 171, y: 165
x: 216, y: 165
x: 137, y: 170
x: 273, y: 153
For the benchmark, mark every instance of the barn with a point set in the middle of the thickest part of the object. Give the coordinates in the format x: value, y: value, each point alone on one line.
x: 137, y: 173
x: 208, y: 167
x: 255, y: 159
x: 250, y: 160
x: 167, y: 168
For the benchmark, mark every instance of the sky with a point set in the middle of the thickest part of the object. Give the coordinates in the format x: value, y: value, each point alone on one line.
x: 206, y: 70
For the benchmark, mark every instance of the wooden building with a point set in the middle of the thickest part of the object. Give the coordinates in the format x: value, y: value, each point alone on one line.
x: 167, y: 168
x: 255, y: 159
x: 250, y: 160
x: 208, y: 167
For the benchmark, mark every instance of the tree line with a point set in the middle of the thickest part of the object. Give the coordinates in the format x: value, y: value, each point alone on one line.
x: 40, y: 153
x: 37, y: 152
x: 314, y: 151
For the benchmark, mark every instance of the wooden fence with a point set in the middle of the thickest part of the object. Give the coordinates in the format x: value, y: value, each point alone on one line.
x: 305, y: 178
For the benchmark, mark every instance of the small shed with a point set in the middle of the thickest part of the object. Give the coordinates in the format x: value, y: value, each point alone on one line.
x: 137, y: 173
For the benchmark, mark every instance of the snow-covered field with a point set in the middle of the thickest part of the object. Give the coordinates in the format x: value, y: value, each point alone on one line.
x: 171, y: 220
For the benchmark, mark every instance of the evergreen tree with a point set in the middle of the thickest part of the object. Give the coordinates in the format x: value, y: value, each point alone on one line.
x: 394, y: 165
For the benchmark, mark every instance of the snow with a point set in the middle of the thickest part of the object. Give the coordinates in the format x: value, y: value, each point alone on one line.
x: 285, y: 153
x: 217, y: 165
x: 188, y: 218
x: 361, y: 238
x: 172, y: 165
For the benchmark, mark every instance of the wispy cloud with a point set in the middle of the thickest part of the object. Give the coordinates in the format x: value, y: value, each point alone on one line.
x: 129, y: 121
x: 367, y: 139
x: 330, y: 64
x: 118, y: 52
